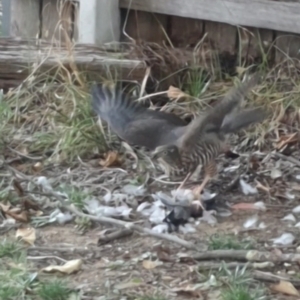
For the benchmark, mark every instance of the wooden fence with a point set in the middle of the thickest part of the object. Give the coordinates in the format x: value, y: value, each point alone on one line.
x: 248, y: 29
x: 242, y: 31
x: 242, y: 27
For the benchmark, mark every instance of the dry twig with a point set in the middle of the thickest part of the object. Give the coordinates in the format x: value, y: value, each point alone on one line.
x: 106, y: 220
x: 106, y: 238
x: 248, y: 255
x: 288, y: 158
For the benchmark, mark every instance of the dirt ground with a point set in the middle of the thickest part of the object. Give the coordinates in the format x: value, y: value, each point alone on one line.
x: 139, y: 265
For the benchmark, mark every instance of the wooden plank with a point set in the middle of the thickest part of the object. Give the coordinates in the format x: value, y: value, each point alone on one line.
x: 57, y: 20
x: 23, y: 55
x: 99, y: 21
x: 185, y: 32
x: 287, y: 46
x: 277, y: 15
x: 75, y: 18
x: 254, y: 43
x: 146, y: 26
x: 21, y: 18
x: 222, y: 36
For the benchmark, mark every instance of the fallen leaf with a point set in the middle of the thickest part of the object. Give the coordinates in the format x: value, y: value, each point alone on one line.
x: 176, y: 93
x: 286, y: 139
x: 285, y: 239
x: 30, y: 204
x: 241, y: 70
x: 26, y: 234
x: 4, y: 207
x: 189, y: 291
x: 112, y: 159
x: 18, y: 216
x: 262, y: 187
x: 285, y: 287
x: 247, y: 206
x: 149, y: 264
x: 247, y: 189
x: 251, y: 222
x: 128, y: 285
x: 275, y: 173
x: 37, y: 167
x: 68, y: 268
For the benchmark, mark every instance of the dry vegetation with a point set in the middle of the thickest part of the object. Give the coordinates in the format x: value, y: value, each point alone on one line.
x: 54, y: 156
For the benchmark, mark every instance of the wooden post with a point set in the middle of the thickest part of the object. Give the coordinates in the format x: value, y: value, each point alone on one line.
x: 145, y: 26
x: 57, y: 18
x: 99, y: 21
x: 21, y: 18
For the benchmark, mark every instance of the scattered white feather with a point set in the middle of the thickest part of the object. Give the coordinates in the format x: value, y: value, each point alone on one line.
x: 124, y: 211
x: 298, y: 176
x: 187, y: 228
x: 107, y: 197
x: 275, y: 173
x: 206, y: 195
x: 145, y: 208
x: 296, y: 210
x: 157, y: 216
x: 53, y: 215
x: 285, y: 239
x: 44, y: 182
x: 231, y: 168
x: 251, y: 222
x: 8, y: 222
x: 63, y: 218
x: 260, y: 205
x: 119, y: 197
x: 183, y: 195
x: 289, y: 218
x: 158, y: 203
x: 107, y: 211
x: 247, y: 189
x: 208, y: 217
x: 160, y: 195
x: 161, y: 228
x: 262, y: 225
x: 290, y: 196
x: 224, y: 213
x: 134, y: 190
x: 92, y: 206
x: 298, y: 224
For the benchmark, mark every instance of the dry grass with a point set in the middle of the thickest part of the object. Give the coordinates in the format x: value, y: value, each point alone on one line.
x: 54, y: 120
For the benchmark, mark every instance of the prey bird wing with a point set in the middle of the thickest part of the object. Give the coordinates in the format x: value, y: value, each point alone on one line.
x: 222, y: 117
x: 133, y: 122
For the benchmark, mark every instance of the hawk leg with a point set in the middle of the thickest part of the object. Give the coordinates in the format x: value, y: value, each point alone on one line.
x: 184, y: 181
x: 210, y: 171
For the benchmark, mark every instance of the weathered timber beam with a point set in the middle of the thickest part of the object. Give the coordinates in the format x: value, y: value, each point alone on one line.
x: 276, y: 15
x: 19, y: 57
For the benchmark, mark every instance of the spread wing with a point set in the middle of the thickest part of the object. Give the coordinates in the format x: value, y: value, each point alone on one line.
x: 132, y: 121
x: 220, y: 116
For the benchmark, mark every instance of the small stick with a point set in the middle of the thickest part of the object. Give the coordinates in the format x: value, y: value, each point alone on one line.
x: 248, y: 255
x: 288, y: 158
x: 106, y: 238
x: 271, y: 278
x: 232, y: 265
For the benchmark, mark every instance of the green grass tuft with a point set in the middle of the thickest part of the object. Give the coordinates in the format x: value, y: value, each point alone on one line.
x: 55, y: 290
x: 217, y: 242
